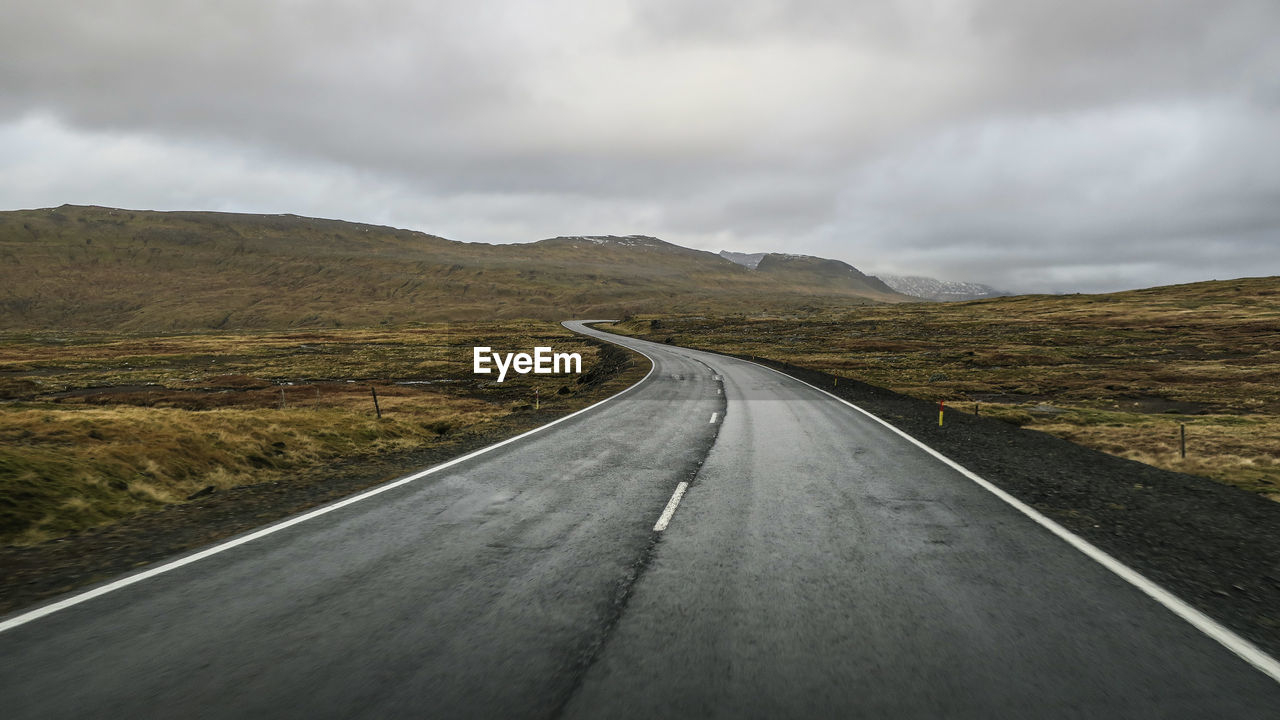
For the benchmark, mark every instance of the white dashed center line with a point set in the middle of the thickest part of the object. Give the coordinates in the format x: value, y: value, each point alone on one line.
x: 671, y: 507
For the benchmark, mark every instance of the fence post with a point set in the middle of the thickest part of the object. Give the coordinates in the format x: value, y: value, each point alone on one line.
x: 376, y: 409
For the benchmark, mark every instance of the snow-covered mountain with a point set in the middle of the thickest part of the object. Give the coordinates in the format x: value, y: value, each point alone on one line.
x: 624, y: 240
x: 942, y: 290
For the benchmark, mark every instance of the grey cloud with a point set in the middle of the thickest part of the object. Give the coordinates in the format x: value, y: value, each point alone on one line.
x: 1032, y: 144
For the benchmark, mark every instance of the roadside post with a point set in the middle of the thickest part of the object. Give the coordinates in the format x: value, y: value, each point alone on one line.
x: 942, y: 404
x: 536, y: 403
x: 376, y: 409
x: 1182, y: 431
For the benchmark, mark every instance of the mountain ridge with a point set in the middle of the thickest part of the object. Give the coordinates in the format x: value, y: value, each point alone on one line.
x: 914, y: 286
x: 789, y: 264
x: 89, y: 267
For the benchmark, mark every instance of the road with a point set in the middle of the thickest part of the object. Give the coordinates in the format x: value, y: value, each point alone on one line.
x: 818, y: 565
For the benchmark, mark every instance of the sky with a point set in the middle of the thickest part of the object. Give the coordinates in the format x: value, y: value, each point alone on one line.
x: 1033, y: 145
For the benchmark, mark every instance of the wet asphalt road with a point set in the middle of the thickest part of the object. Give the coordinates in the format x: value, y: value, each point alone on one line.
x: 818, y: 566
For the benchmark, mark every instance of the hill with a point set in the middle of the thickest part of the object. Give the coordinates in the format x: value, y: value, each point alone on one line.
x: 77, y: 267
x: 810, y: 271
x: 816, y: 272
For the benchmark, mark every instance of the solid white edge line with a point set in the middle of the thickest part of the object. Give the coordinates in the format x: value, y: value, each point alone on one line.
x: 714, y: 415
x: 672, y: 504
x: 1244, y: 649
x: 36, y: 614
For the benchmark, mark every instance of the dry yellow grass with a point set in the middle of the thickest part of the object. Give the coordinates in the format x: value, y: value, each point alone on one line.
x: 88, y: 466
x: 97, y: 427
x: 1240, y: 450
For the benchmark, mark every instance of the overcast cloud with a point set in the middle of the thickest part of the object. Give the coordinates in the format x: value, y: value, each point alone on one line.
x: 1035, y: 145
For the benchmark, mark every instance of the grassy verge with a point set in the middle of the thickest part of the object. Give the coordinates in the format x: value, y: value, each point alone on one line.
x: 1119, y: 373
x: 96, y: 428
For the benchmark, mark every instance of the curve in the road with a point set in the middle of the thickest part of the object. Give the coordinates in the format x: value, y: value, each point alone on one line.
x: 23, y: 618
x: 816, y: 564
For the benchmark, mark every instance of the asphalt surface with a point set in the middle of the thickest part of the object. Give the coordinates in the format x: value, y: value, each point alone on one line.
x: 817, y: 566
